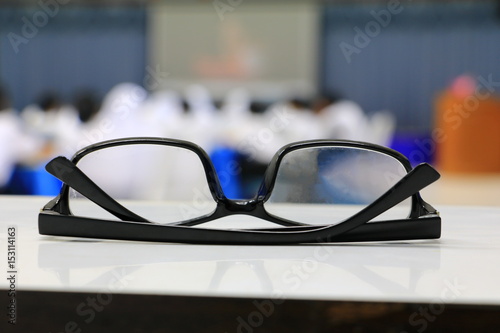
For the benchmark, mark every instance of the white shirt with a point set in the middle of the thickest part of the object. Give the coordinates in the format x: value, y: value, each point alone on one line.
x: 15, y: 145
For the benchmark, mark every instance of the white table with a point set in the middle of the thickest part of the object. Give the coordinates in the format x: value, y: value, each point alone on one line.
x: 463, y: 267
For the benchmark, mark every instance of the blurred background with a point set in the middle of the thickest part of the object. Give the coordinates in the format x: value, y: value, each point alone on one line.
x: 241, y: 78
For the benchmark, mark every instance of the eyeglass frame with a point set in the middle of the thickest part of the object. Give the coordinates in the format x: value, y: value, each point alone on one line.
x: 56, y: 218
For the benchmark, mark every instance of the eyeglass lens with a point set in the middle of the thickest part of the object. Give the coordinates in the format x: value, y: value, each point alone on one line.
x: 160, y: 183
x: 325, y: 185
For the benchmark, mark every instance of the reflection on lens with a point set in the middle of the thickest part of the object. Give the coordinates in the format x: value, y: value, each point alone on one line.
x: 325, y: 185
x: 160, y: 183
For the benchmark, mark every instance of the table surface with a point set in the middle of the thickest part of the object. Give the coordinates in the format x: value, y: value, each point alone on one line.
x: 462, y: 267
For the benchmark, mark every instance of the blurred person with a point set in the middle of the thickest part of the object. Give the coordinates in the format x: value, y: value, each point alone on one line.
x: 236, y: 121
x: 15, y: 145
x: 305, y: 124
x: 51, y: 121
x: 163, y: 111
x: 140, y: 172
x: 39, y: 116
x: 83, y: 110
x: 236, y: 104
x: 283, y: 123
x: 87, y: 105
x: 344, y: 119
x: 201, y: 119
x: 117, y: 117
x: 49, y: 117
x: 382, y: 125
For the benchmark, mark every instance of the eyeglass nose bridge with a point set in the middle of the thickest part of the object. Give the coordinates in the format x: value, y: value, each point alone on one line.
x: 240, y: 206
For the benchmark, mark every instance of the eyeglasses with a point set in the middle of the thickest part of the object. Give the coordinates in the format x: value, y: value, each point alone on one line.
x: 165, y: 190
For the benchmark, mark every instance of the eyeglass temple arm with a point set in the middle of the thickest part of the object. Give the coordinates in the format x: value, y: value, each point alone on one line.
x: 417, y: 179
x: 66, y: 171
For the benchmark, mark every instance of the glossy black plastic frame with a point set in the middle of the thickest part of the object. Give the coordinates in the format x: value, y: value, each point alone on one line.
x: 56, y: 218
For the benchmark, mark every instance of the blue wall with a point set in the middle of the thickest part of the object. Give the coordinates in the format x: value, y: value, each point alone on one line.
x: 77, y: 48
x: 411, y: 59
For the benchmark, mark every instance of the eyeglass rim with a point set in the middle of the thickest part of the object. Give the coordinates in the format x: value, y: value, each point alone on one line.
x: 271, y: 170
x: 270, y: 175
x: 212, y: 178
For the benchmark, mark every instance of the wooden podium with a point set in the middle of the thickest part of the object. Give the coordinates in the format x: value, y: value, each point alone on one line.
x: 470, y: 128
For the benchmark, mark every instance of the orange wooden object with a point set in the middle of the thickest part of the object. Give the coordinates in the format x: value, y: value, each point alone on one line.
x: 467, y: 133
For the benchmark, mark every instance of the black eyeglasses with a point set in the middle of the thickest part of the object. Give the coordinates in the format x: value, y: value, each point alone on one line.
x: 165, y: 190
